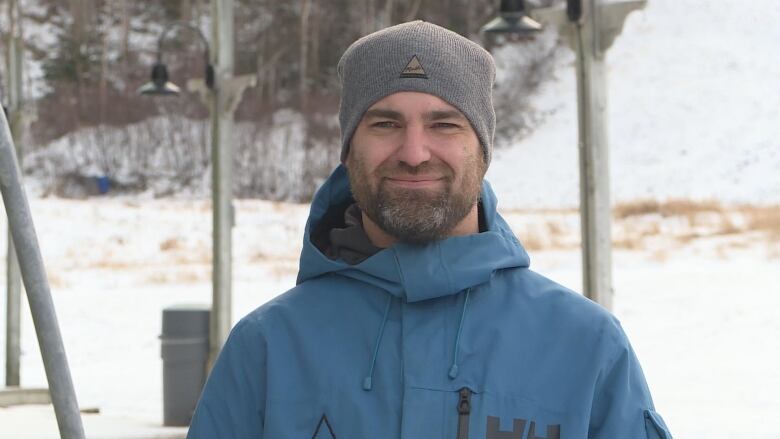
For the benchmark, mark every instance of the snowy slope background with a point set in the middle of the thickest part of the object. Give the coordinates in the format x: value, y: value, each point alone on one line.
x: 693, y: 98
x: 693, y: 110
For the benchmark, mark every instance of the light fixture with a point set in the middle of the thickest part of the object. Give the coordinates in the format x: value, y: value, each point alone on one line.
x: 159, y: 85
x: 512, y: 19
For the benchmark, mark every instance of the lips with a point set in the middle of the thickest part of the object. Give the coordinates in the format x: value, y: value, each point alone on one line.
x: 415, y: 179
x: 415, y: 182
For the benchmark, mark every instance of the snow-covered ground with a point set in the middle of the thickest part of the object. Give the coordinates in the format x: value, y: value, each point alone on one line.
x: 701, y: 312
x: 693, y: 114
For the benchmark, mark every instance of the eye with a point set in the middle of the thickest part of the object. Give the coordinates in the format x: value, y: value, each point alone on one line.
x: 384, y: 124
x: 446, y: 125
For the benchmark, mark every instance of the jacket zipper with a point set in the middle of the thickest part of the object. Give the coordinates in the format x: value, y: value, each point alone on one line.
x: 464, y: 409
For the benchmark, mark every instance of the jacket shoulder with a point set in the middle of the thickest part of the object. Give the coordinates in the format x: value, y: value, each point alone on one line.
x: 573, y: 313
x: 309, y: 301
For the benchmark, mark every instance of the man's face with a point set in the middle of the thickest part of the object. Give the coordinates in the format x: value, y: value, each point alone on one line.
x: 415, y: 166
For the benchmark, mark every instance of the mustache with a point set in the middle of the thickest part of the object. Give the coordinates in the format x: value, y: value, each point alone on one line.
x: 426, y: 168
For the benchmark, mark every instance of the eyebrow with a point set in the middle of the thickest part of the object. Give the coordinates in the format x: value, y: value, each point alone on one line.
x: 444, y: 114
x: 430, y: 116
x: 380, y: 113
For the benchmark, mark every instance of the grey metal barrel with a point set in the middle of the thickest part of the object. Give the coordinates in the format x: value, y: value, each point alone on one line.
x: 184, y: 350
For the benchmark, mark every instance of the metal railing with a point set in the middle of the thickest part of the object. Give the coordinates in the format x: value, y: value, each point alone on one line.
x: 47, y: 329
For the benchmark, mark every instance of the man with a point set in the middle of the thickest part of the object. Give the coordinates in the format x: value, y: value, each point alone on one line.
x: 415, y: 314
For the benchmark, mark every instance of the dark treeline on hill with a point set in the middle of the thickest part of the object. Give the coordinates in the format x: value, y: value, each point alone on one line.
x: 94, y: 54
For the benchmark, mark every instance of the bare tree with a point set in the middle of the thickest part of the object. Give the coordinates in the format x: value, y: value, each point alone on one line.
x: 369, y: 17
x: 315, y: 42
x: 414, y: 8
x: 125, y: 38
x: 304, y: 52
x: 108, y: 18
x: 387, y: 15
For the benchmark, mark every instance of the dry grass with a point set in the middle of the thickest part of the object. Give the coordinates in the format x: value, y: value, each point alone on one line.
x: 115, y: 264
x: 198, y: 256
x: 703, y: 218
x: 674, y: 207
x: 639, y: 225
x: 532, y: 241
x: 628, y: 243
x: 764, y: 218
x: 554, y: 229
x: 169, y: 276
x: 687, y: 238
x: 659, y: 256
x: 56, y: 280
x: 727, y: 226
x: 634, y: 236
x: 170, y: 244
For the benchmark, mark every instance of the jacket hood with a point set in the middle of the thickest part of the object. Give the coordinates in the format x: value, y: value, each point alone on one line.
x: 416, y: 272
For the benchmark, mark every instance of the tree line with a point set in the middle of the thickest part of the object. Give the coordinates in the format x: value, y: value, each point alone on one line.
x: 94, y: 54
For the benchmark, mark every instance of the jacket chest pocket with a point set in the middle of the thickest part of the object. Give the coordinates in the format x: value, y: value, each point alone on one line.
x: 466, y: 414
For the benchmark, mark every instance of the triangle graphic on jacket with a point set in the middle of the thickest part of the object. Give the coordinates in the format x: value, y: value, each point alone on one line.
x: 414, y: 69
x: 324, y: 435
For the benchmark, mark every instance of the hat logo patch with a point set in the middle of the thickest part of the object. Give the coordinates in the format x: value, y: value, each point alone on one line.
x: 414, y: 69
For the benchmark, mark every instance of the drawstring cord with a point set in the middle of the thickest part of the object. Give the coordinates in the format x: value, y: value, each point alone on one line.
x: 453, y: 373
x: 454, y: 368
x: 368, y: 381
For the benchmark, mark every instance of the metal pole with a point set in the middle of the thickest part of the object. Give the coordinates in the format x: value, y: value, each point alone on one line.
x: 13, y: 275
x: 590, y: 27
x: 222, y: 174
x: 47, y: 329
x: 595, y: 208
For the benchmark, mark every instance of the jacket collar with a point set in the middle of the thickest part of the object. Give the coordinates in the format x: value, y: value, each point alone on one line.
x: 413, y: 272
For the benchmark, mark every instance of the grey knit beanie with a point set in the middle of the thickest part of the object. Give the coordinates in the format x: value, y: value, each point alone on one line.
x: 422, y: 57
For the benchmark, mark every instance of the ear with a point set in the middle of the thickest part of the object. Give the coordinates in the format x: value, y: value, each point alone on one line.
x: 348, y: 158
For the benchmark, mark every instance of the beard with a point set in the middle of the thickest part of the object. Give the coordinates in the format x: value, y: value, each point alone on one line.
x: 416, y: 216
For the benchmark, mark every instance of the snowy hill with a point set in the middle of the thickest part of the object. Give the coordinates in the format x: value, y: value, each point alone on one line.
x: 693, y: 112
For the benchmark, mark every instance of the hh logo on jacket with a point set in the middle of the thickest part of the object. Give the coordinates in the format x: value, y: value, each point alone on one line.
x: 518, y: 427
x: 493, y: 429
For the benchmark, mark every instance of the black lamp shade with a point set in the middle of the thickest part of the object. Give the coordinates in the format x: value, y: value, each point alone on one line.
x: 512, y: 19
x: 512, y: 6
x: 574, y: 9
x: 159, y: 84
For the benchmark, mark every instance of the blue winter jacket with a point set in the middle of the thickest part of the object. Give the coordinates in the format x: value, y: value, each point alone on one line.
x: 456, y: 339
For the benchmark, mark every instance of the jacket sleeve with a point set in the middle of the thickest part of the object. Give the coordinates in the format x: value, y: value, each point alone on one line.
x: 232, y: 404
x: 622, y: 405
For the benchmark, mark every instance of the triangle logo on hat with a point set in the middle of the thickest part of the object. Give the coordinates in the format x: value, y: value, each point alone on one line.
x: 414, y: 69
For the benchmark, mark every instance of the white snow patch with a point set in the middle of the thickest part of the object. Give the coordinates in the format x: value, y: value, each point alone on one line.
x: 692, y: 112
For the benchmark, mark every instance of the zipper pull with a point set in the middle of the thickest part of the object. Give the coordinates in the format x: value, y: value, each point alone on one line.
x: 464, y: 403
x: 464, y: 409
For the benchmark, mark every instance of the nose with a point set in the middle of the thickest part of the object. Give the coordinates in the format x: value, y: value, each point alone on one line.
x: 415, y: 147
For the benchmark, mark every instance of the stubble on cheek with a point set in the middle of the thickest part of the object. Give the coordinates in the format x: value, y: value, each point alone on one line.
x: 415, y: 216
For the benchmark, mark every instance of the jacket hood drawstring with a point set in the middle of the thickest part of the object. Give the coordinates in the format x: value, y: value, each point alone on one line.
x: 453, y: 373
x: 454, y: 368
x: 368, y: 381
